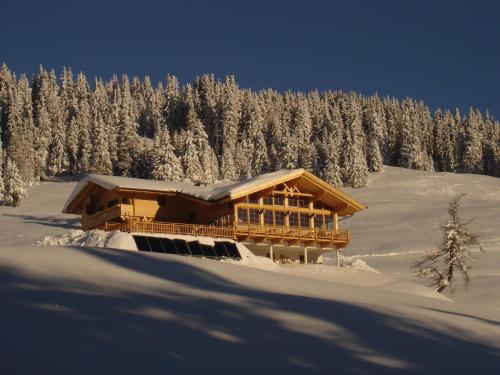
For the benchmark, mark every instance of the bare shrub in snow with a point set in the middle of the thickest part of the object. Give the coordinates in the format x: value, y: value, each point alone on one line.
x: 453, y: 253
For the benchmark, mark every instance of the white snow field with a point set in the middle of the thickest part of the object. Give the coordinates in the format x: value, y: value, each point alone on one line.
x: 84, y: 310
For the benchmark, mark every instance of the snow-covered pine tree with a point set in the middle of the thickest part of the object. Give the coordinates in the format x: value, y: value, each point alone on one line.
x: 14, y: 186
x: 127, y: 133
x: 453, y: 254
x: 252, y: 154
x: 491, y: 146
x: 372, y: 124
x: 354, y: 168
x: 69, y: 105
x: 18, y: 131
x: 172, y: 113
x: 471, y: 146
x: 393, y: 115
x: 302, y: 132
x: 227, y: 139
x: 56, y: 157
x: 83, y: 120
x: 329, y: 147
x: 196, y: 138
x: 165, y: 165
x: 2, y: 185
x: 411, y: 154
x: 273, y: 107
x: 100, y: 161
x: 445, y: 142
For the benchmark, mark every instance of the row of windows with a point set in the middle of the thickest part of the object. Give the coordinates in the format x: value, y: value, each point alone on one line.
x: 295, y: 219
x: 279, y: 201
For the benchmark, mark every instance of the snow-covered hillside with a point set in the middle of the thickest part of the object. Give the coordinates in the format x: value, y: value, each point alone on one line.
x: 405, y: 211
x: 91, y: 310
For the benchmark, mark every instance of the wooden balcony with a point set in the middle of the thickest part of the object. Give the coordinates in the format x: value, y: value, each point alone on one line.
x: 238, y: 232
x: 110, y: 213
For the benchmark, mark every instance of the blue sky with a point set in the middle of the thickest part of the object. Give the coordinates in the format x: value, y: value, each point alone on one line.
x: 444, y: 52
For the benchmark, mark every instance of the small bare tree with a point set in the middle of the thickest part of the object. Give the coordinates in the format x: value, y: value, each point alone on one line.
x: 453, y: 253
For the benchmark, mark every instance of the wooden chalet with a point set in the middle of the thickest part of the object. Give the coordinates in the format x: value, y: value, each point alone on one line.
x: 288, y: 215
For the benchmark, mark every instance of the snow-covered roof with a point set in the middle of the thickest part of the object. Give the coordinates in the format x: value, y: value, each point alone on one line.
x: 209, y: 192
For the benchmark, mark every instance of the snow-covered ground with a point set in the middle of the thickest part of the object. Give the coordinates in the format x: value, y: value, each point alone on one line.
x: 74, y: 309
x: 405, y: 211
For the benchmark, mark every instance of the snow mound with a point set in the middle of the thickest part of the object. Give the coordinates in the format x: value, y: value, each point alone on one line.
x: 91, y: 238
x: 125, y: 241
x: 357, y: 264
x: 353, y: 262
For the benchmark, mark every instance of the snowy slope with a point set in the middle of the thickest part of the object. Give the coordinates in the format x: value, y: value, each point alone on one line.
x: 405, y: 211
x: 88, y: 310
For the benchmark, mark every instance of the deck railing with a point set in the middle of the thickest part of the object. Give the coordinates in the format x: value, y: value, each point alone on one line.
x: 239, y: 231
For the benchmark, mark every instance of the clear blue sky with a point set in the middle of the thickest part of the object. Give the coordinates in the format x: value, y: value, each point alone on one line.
x: 444, y: 52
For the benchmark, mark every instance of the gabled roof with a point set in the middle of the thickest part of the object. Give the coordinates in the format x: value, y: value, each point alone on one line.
x: 214, y: 192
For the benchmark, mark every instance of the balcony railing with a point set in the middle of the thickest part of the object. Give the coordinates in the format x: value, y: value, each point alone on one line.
x: 240, y: 231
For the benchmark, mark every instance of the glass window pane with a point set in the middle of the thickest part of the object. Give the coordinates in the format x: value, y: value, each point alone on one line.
x: 293, y: 219
x: 318, y: 221
x: 242, y: 215
x: 279, y: 218
x: 254, y: 216
x: 278, y: 201
x: 268, y: 217
x: 304, y: 220
x: 253, y: 199
x: 268, y: 200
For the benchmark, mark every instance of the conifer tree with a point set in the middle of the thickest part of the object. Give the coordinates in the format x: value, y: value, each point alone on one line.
x: 166, y: 165
x: 227, y: 130
x: 100, y: 161
x: 14, y: 187
x: 56, y: 158
x: 453, y: 253
x: 373, y: 123
x: 252, y: 152
x: 354, y: 168
x: 83, y: 120
x: 302, y: 134
x: 471, y: 148
x: 2, y: 185
x: 127, y: 133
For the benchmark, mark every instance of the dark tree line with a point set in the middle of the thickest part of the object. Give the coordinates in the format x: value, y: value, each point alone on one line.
x: 210, y: 129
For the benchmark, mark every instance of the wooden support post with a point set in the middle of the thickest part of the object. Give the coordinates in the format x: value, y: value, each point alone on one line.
x: 311, y: 216
x: 261, y: 210
x: 305, y: 255
x: 336, y: 223
x: 287, y: 217
x: 271, y: 255
x: 338, y: 256
x: 235, y: 215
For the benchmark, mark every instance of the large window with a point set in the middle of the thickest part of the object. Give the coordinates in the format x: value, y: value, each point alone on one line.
x: 269, y: 217
x: 295, y: 202
x: 318, y: 221
x: 254, y: 216
x: 242, y: 215
x: 268, y: 200
x: 304, y: 220
x: 254, y: 199
x: 293, y: 219
x: 279, y: 218
x: 278, y: 201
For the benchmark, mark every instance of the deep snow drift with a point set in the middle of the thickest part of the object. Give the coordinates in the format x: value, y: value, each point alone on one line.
x: 82, y: 309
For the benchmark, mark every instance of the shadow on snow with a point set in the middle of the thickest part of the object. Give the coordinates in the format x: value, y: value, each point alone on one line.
x: 65, y: 326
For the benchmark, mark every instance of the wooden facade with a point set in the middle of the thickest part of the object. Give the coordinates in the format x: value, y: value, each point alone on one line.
x: 294, y: 208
